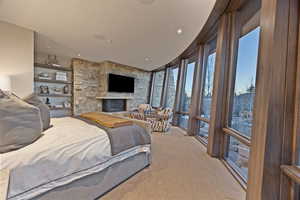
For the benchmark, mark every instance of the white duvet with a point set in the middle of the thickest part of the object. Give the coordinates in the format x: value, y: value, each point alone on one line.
x: 70, y: 150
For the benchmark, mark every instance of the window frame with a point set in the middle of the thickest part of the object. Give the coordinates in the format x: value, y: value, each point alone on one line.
x: 292, y: 170
x: 239, y: 20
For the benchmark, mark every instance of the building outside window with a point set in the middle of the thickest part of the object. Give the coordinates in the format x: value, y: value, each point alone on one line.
x: 171, y: 87
x: 186, y: 95
x: 241, y: 109
x: 206, y: 94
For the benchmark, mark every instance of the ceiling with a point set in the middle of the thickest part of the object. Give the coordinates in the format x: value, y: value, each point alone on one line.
x: 139, y: 33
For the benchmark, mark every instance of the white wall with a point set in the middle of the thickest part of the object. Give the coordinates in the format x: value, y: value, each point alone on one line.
x: 16, y: 57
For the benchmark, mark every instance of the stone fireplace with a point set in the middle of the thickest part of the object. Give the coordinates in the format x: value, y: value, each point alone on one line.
x: 90, y: 87
x: 113, y: 105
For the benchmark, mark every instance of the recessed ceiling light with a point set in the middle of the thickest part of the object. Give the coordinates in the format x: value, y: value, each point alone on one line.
x: 147, y: 59
x: 179, y: 31
x: 79, y: 55
x: 109, y: 41
x: 48, y: 47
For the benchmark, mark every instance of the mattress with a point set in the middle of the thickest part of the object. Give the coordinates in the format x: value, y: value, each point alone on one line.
x: 68, y: 151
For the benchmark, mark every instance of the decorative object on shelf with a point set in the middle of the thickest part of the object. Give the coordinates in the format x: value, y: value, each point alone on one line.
x: 67, y: 104
x: 50, y: 86
x: 44, y: 76
x: 44, y: 89
x: 61, y: 76
x: 52, y: 60
x: 66, y: 89
x: 57, y: 90
x: 58, y: 106
x: 48, y: 102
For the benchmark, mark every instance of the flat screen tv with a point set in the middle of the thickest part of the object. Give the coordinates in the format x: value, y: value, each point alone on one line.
x: 117, y: 83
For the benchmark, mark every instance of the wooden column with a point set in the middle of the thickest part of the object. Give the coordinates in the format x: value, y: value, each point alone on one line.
x: 273, y: 110
x: 214, y: 146
x: 194, y: 108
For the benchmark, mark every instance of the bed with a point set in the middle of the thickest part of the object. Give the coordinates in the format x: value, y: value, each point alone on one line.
x: 74, y: 160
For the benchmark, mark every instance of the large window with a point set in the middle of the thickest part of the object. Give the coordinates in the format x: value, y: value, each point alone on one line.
x: 186, y: 95
x: 244, y: 88
x: 207, y: 90
x: 242, y: 101
x: 171, y: 86
x: 206, y: 93
x: 158, y: 83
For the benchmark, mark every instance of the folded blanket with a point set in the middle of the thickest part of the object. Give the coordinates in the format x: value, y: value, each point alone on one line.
x: 106, y: 120
x: 123, y: 138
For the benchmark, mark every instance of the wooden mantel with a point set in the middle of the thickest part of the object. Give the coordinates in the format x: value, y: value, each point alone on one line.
x: 114, y: 97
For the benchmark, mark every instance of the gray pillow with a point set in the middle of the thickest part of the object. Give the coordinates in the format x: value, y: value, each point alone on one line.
x: 20, y: 123
x: 44, y: 109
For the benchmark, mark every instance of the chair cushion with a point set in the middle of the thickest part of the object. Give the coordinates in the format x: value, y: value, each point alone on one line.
x: 20, y: 123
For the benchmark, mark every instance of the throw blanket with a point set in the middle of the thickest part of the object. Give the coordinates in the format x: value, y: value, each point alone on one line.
x: 123, y: 138
x: 106, y: 120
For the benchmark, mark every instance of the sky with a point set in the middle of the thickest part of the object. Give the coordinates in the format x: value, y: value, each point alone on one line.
x: 247, y: 61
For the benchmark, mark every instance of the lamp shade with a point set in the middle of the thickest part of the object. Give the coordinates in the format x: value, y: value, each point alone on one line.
x: 5, y: 83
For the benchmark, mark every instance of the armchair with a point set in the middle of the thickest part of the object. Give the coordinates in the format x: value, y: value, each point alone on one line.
x: 160, y: 120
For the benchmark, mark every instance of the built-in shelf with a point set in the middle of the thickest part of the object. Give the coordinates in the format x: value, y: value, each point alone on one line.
x: 51, y: 81
x: 54, y: 95
x: 114, y: 97
x: 52, y: 67
x: 58, y: 99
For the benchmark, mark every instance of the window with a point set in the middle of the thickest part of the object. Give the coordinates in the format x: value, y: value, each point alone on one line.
x: 186, y: 95
x: 208, y: 86
x: 183, y: 121
x: 238, y: 156
x: 244, y: 88
x: 206, y: 93
x: 158, y: 82
x: 241, y: 102
x: 203, y: 130
x: 171, y: 87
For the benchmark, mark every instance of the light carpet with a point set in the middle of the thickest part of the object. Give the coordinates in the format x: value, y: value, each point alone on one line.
x: 180, y: 170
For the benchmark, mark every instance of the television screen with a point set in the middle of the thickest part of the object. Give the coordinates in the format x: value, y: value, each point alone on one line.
x: 117, y: 83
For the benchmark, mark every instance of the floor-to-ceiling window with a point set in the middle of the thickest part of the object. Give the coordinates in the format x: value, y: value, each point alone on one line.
x: 241, y: 103
x: 157, y: 88
x: 171, y: 86
x: 206, y: 92
x: 186, y: 94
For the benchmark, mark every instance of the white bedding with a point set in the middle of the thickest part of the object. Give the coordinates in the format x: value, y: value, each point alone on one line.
x: 70, y: 150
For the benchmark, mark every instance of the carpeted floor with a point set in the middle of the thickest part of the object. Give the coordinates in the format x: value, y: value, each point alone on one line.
x: 180, y: 170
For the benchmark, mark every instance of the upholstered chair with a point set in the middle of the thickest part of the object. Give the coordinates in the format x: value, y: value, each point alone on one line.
x: 161, y: 120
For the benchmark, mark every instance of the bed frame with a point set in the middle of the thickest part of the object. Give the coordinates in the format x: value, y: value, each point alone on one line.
x: 96, y: 185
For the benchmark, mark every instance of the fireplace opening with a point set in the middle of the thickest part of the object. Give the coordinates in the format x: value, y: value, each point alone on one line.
x: 113, y: 105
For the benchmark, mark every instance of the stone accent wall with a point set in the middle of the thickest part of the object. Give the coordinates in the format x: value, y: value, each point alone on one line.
x: 91, y: 81
x: 86, y: 86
